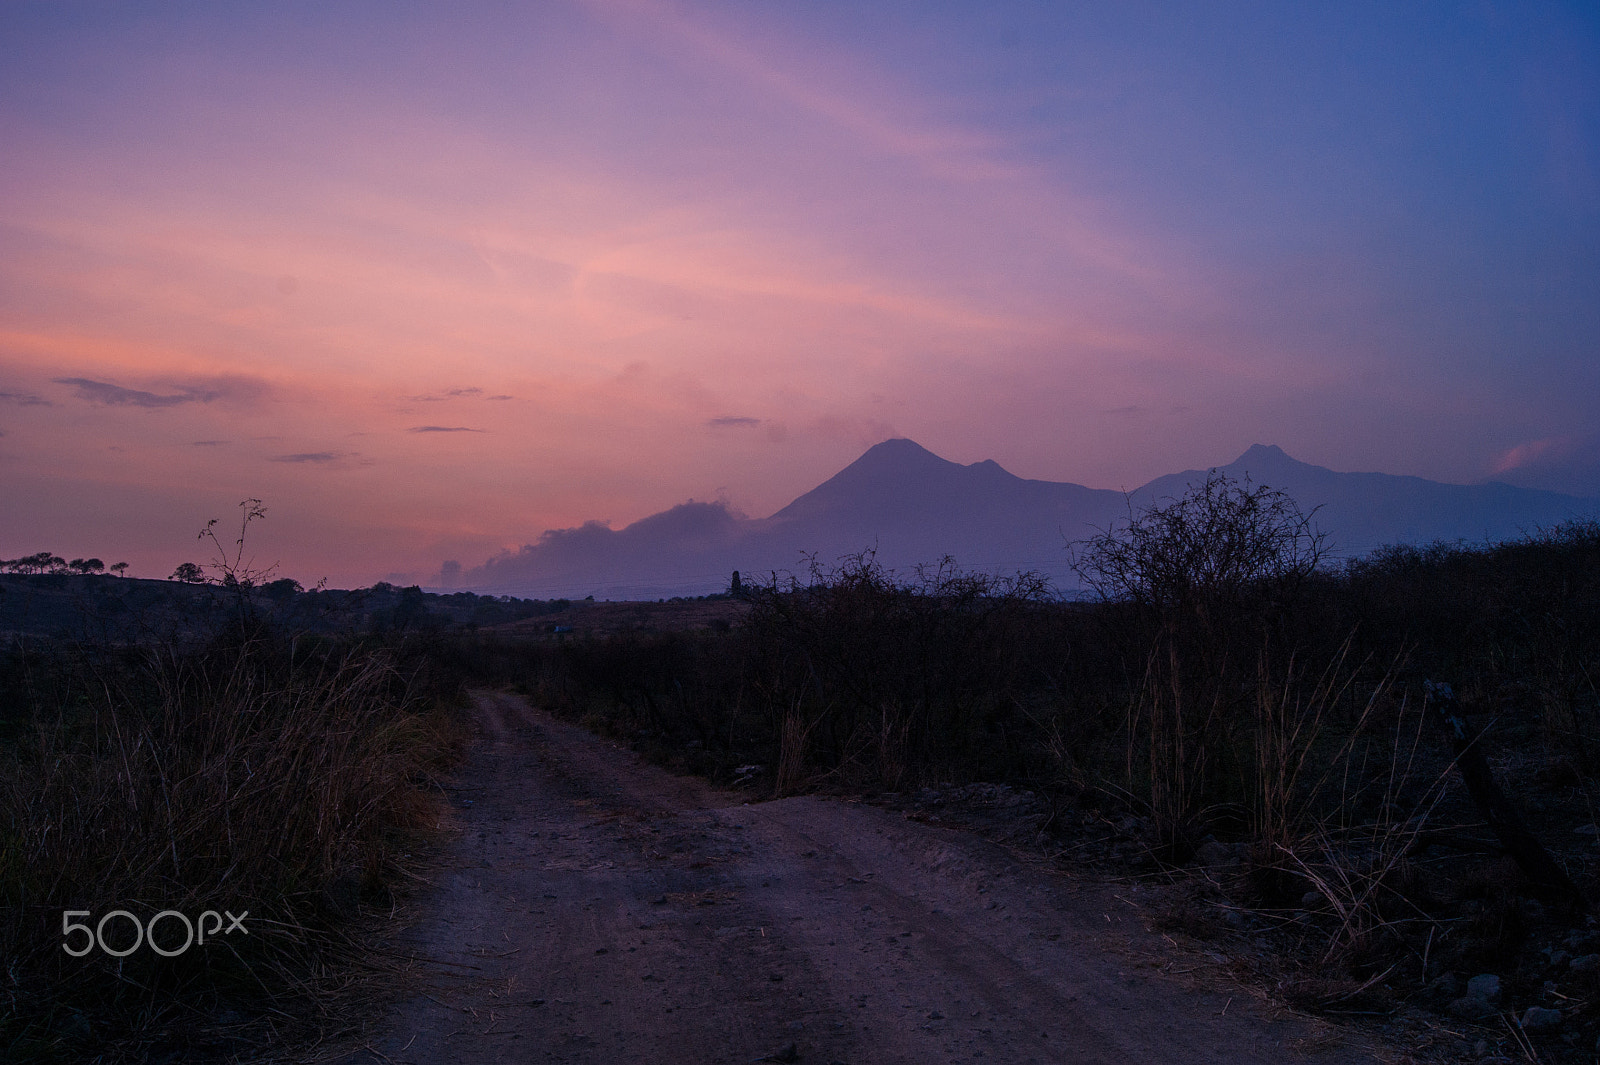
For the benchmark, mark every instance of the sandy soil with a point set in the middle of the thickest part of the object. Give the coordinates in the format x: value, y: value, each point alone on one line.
x: 597, y: 909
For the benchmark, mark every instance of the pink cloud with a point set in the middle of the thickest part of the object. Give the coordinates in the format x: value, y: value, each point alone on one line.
x: 1533, y: 452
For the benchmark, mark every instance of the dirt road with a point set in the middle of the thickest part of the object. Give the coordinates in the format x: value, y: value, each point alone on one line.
x: 597, y: 909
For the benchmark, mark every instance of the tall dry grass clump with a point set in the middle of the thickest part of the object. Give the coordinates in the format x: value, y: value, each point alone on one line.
x: 1353, y: 819
x: 258, y: 774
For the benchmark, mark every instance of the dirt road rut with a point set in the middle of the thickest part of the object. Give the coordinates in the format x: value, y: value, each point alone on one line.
x: 597, y: 909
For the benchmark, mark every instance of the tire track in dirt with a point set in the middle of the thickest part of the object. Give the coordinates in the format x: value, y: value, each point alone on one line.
x: 598, y: 909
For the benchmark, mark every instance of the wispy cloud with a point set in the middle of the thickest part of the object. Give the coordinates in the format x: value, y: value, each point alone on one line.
x: 733, y: 423
x: 1525, y: 454
x: 964, y: 154
x: 453, y: 393
x: 207, y: 443
x: 1138, y: 410
x: 442, y: 429
x: 25, y: 399
x: 1567, y: 463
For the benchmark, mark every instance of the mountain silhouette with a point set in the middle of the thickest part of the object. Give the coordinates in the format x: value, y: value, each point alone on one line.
x: 1364, y: 511
x: 912, y: 507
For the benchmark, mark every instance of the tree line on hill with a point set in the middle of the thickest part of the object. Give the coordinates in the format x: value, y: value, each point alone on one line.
x: 48, y: 562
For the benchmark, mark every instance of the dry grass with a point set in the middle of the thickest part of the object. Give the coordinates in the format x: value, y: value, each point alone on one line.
x: 254, y: 775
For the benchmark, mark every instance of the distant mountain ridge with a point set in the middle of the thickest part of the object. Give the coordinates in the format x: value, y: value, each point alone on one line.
x: 912, y: 507
x: 1364, y: 511
x: 917, y: 507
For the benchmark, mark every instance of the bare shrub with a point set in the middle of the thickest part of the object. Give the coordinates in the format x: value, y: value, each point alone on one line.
x: 1203, y: 584
x: 1225, y: 545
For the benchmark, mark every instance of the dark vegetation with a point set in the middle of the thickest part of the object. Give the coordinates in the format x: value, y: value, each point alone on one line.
x: 224, y: 741
x: 252, y: 773
x: 1377, y: 779
x: 73, y: 606
x: 229, y: 746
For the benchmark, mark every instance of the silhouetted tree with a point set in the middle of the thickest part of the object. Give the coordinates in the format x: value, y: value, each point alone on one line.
x: 282, y: 590
x: 412, y: 608
x: 120, y: 568
x: 189, y: 573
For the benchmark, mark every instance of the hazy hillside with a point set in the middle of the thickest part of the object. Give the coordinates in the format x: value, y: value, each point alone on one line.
x: 913, y: 507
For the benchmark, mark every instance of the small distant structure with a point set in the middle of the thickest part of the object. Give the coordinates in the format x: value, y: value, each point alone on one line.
x: 736, y: 587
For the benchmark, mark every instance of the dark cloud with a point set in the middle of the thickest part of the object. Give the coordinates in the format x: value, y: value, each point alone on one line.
x: 442, y: 429
x: 500, y: 397
x: 314, y: 457
x: 453, y: 393
x: 326, y: 460
x: 207, y: 443
x: 25, y: 399
x: 206, y: 391
x: 117, y: 396
x: 733, y: 423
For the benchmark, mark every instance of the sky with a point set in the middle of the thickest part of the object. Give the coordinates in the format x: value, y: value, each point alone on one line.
x: 429, y: 279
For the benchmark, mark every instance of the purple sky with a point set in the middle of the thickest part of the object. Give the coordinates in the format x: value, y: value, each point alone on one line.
x: 430, y: 279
